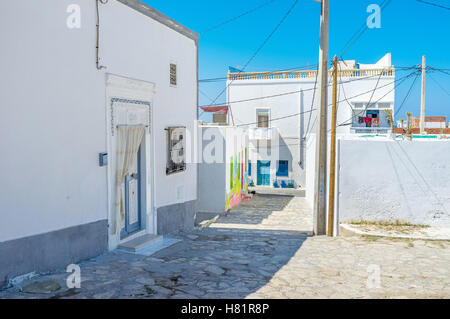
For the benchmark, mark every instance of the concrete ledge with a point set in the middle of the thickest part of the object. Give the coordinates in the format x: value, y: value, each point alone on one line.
x: 347, y: 230
x: 52, y: 251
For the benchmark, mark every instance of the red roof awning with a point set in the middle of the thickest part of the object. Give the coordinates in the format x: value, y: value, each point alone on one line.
x: 215, y: 109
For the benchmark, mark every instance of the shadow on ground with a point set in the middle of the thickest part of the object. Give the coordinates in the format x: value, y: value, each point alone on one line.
x: 217, y: 262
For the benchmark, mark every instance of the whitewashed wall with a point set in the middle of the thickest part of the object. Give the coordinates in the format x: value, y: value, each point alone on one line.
x: 217, y: 145
x: 52, y: 120
x: 236, y: 144
x: 141, y: 48
x: 52, y: 113
x: 212, y: 169
x: 390, y: 180
x: 294, y: 115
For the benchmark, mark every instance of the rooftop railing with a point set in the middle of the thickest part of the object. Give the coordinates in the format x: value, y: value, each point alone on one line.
x: 308, y: 74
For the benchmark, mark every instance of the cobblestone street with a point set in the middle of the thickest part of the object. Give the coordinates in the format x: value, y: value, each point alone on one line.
x: 261, y: 249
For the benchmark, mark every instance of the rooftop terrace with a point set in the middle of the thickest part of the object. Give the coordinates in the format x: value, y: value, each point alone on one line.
x: 351, y: 73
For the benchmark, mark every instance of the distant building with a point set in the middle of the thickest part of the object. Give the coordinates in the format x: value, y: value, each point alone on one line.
x: 430, y: 121
x: 279, y: 110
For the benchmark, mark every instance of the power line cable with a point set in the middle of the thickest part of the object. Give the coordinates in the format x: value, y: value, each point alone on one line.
x: 298, y: 68
x: 407, y: 95
x: 261, y: 46
x: 357, y: 95
x: 439, y: 70
x: 358, y: 34
x: 434, y: 4
x: 344, y: 123
x: 237, y: 17
x: 441, y: 87
x: 288, y: 93
x: 278, y: 118
x: 312, y: 102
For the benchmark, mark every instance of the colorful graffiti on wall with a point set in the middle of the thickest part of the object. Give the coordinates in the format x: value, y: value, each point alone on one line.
x: 238, y: 179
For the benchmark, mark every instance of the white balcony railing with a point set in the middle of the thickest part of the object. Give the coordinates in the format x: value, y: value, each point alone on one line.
x: 373, y: 129
x: 260, y: 133
x: 389, y: 72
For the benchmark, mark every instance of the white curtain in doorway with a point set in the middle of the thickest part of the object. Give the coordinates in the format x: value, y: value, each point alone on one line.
x: 129, y: 139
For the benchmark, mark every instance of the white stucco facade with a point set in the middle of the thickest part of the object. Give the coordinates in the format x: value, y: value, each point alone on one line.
x: 289, y: 100
x: 56, y: 111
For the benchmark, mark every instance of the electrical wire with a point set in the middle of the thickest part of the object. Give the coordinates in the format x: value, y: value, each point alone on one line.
x: 237, y: 17
x: 312, y: 102
x: 288, y: 93
x: 441, y: 87
x: 363, y: 93
x: 358, y: 34
x: 344, y: 123
x: 434, y: 4
x: 261, y: 46
x: 407, y: 95
x: 298, y: 68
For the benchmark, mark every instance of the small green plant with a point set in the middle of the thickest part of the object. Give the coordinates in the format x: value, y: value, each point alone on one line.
x: 408, y: 123
x: 390, y: 118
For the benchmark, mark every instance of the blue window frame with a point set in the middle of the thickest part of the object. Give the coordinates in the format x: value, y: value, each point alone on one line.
x: 249, y: 168
x: 283, y: 168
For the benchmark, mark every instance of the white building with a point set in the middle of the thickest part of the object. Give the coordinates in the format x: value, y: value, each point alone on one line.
x: 223, y: 167
x: 61, y: 111
x: 279, y: 108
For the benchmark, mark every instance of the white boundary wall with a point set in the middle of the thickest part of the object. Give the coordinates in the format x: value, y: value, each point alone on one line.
x: 395, y: 180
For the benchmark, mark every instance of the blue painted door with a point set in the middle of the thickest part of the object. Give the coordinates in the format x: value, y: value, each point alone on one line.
x: 132, y: 189
x: 263, y: 173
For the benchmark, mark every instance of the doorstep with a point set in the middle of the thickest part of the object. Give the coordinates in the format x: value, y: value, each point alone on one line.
x: 140, y: 242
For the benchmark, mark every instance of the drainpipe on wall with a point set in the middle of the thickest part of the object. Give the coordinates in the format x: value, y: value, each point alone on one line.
x: 97, y: 62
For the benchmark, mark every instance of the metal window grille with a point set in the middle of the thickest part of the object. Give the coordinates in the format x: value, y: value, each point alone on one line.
x: 176, y: 141
x: 173, y: 74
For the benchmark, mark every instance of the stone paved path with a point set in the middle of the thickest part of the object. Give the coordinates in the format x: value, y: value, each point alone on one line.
x: 270, y: 258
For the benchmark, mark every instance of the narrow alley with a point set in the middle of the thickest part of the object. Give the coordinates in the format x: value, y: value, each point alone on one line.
x: 261, y: 249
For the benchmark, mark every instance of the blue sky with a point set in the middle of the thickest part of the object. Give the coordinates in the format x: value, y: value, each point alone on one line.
x: 408, y: 30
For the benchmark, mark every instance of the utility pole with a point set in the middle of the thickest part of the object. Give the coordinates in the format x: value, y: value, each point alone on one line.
x: 422, y: 104
x: 333, y: 151
x: 320, y: 200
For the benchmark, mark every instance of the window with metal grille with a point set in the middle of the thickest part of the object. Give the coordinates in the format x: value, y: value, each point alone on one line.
x: 176, y: 144
x: 262, y: 117
x: 173, y: 74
